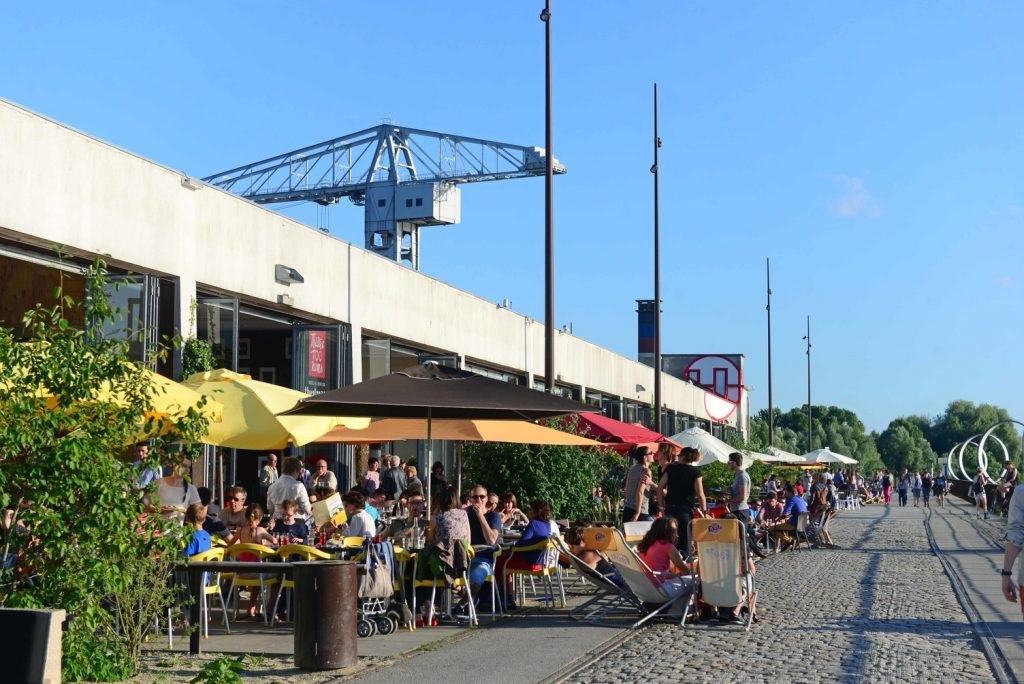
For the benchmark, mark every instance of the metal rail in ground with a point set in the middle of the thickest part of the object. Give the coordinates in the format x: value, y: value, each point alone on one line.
x: 987, y: 640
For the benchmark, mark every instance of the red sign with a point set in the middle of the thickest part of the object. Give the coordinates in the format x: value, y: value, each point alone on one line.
x: 316, y: 364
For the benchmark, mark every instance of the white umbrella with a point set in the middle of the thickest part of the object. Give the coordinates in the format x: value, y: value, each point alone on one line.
x: 710, y: 447
x: 769, y: 458
x: 826, y: 455
x: 784, y: 456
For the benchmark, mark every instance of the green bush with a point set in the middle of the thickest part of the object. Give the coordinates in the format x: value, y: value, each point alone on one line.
x: 73, y: 403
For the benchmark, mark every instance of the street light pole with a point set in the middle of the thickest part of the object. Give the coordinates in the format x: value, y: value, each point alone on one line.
x: 657, y: 276
x: 771, y: 413
x: 549, y: 234
x: 810, y: 428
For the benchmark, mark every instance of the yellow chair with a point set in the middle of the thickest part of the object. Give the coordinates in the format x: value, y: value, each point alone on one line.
x: 211, y: 585
x: 263, y: 553
x: 218, y: 541
x: 439, y: 583
x: 547, y: 566
x: 287, y: 553
x: 493, y: 581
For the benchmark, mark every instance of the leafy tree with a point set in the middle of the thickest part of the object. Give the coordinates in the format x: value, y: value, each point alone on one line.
x: 79, y: 540
x: 962, y: 420
x: 903, y: 445
x: 565, y: 476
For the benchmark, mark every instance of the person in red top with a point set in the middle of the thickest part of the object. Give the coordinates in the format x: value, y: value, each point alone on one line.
x: 771, y: 510
x: 658, y: 547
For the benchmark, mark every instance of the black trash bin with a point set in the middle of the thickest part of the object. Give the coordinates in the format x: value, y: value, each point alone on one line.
x: 325, y: 614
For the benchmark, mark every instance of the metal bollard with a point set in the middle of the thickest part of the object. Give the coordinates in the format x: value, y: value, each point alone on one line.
x: 325, y: 614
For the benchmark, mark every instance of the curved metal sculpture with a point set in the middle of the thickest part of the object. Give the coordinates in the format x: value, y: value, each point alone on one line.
x: 988, y: 433
x: 982, y: 456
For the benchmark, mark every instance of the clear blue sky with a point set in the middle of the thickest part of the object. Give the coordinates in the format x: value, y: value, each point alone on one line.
x: 871, y: 149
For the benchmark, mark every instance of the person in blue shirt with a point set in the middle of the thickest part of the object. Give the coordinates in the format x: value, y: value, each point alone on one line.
x: 484, y: 535
x: 795, y: 505
x: 195, y: 516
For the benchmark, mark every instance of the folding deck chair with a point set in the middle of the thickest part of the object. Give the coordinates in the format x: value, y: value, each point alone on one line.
x: 656, y: 594
x: 608, y: 598
x: 725, y: 579
x: 634, y: 531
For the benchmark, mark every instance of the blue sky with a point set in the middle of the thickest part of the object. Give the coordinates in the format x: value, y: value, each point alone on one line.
x: 872, y: 150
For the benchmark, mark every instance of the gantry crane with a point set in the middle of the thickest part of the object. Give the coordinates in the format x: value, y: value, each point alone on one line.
x: 405, y: 178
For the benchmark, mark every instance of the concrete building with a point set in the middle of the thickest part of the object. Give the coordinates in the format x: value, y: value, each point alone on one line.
x: 278, y: 299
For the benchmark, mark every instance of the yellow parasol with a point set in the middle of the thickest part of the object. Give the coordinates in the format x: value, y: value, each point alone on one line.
x: 250, y: 419
x: 457, y: 429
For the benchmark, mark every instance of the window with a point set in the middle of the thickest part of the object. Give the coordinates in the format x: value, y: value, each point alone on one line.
x: 381, y: 203
x: 419, y: 202
x: 408, y: 202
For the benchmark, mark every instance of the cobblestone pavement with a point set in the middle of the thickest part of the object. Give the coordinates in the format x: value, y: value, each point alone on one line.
x: 878, y: 609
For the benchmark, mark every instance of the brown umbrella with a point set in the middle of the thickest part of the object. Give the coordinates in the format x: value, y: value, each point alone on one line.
x: 431, y: 391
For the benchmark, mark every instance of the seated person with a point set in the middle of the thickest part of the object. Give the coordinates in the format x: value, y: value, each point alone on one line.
x: 510, y: 515
x: 213, y: 525
x: 538, y: 530
x: 771, y: 511
x: 195, y: 515
x: 795, y: 505
x: 595, y: 559
x: 658, y: 548
x: 400, y: 530
x: 484, y: 535
x: 233, y: 514
x: 288, y: 527
x: 359, y: 524
x: 368, y: 503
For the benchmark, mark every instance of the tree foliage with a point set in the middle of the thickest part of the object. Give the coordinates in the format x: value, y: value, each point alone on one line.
x: 565, y: 476
x: 963, y: 419
x: 903, y: 445
x: 72, y: 403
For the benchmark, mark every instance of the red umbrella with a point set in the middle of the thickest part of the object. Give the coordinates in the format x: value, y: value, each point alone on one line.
x: 618, y: 435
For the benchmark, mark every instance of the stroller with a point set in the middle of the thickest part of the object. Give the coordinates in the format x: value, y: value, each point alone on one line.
x: 378, y: 612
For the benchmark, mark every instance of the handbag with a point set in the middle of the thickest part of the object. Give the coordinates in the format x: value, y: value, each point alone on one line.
x: 376, y: 581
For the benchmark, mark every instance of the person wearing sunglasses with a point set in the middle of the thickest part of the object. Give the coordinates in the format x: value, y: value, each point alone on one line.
x: 233, y: 513
x: 484, y: 535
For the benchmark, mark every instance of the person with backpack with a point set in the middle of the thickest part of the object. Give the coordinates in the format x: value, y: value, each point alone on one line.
x: 978, y: 492
x: 887, y: 486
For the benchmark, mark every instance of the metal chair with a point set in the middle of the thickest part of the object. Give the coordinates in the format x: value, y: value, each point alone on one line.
x: 234, y: 552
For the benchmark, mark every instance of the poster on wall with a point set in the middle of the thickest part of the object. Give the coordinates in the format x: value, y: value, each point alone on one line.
x: 316, y: 358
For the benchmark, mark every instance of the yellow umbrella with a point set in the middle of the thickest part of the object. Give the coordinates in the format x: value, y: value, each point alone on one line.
x: 457, y: 429
x: 250, y: 419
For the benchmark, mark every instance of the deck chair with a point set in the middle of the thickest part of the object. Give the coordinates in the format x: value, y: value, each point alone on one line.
x: 634, y: 531
x: 725, y: 580
x: 655, y: 594
x: 608, y: 598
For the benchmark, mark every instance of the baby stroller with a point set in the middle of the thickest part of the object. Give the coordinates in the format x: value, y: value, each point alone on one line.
x: 376, y: 611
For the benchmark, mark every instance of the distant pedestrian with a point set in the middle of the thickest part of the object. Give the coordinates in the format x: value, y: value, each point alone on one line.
x: 903, y: 486
x: 926, y: 487
x: 940, y: 488
x: 915, y: 487
x: 978, y: 492
x: 394, y: 481
x: 887, y: 487
x: 268, y: 474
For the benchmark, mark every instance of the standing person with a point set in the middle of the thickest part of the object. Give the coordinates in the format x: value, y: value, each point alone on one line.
x: 411, y: 478
x: 371, y: 478
x: 147, y: 474
x: 915, y: 487
x: 438, y: 483
x: 393, y: 482
x: 926, y: 487
x: 978, y: 492
x: 771, y: 486
x: 903, y: 486
x: 887, y: 486
x: 680, y: 490
x: 288, y: 488
x: 738, y: 506
x: 939, y: 487
x: 268, y: 474
x: 638, y: 482
x: 175, y: 494
x: 1014, y: 542
x: 324, y: 482
x: 1009, y: 478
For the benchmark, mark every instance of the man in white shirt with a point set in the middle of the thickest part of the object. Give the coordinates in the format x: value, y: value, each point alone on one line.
x: 288, y: 488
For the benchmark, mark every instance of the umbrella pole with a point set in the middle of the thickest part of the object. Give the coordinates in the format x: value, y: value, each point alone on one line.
x: 458, y: 464
x: 430, y: 460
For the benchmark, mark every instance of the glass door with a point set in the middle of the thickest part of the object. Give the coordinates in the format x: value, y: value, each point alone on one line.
x: 217, y: 323
x: 320, y: 362
x: 135, y: 300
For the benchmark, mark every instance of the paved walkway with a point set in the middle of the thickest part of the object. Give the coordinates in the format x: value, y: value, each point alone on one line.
x: 879, y: 609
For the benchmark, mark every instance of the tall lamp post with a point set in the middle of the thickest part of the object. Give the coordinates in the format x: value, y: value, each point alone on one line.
x: 657, y: 276
x: 549, y: 233
x: 771, y: 413
x: 810, y: 428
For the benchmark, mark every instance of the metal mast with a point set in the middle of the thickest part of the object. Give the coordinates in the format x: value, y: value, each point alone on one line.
x: 657, y: 276
x: 810, y: 429
x: 771, y: 413
x: 549, y: 219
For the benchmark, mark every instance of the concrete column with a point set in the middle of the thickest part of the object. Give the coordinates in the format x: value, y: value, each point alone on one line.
x: 357, y: 353
x: 184, y: 295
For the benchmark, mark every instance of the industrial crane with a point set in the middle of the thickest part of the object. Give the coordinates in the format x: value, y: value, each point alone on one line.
x: 405, y: 178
